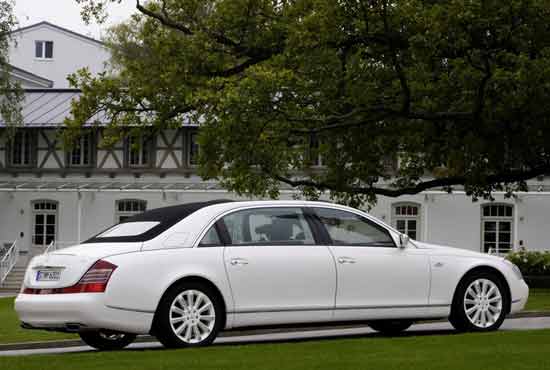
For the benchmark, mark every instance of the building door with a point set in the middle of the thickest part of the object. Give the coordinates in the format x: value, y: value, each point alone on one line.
x: 44, y: 217
x: 497, y: 225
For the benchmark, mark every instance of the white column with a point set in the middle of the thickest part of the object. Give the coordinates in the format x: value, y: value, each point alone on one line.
x: 517, y: 201
x: 78, y: 215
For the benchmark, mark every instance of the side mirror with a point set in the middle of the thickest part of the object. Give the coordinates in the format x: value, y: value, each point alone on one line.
x: 403, y: 240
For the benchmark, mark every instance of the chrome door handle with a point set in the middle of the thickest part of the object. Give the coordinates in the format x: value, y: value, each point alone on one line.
x: 346, y: 260
x: 238, y: 261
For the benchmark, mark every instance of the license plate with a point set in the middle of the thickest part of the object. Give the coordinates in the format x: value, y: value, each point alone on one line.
x: 48, y: 275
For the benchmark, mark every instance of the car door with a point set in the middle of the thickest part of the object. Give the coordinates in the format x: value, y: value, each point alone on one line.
x: 373, y: 273
x: 277, y: 270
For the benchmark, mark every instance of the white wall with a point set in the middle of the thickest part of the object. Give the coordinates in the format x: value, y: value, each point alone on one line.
x: 70, y: 53
x: 451, y: 219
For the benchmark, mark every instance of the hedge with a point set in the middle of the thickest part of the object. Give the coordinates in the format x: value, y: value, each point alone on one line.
x: 531, y: 263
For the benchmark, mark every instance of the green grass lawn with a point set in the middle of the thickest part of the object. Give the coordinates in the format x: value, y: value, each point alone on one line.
x: 539, y: 300
x: 498, y: 351
x: 10, y: 332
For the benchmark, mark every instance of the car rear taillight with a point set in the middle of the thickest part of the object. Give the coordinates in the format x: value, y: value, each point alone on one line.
x: 94, y: 281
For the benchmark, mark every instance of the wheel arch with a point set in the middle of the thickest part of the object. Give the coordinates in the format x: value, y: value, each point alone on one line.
x: 193, y: 278
x: 493, y: 270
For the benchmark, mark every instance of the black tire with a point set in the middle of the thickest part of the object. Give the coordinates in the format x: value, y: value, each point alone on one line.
x: 163, y: 329
x: 105, y: 340
x: 390, y: 327
x: 459, y: 318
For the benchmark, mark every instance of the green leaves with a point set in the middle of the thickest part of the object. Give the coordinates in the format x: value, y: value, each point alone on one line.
x: 330, y: 95
x: 10, y: 92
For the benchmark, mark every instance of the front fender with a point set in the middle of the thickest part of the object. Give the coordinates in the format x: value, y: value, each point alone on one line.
x: 448, y: 271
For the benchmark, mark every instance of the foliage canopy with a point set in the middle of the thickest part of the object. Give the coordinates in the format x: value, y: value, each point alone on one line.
x: 456, y: 92
x: 10, y: 93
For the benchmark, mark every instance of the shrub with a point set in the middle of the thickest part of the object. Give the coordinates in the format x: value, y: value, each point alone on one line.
x: 533, y: 263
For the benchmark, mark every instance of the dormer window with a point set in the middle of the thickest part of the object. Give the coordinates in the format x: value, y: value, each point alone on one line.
x: 43, y: 49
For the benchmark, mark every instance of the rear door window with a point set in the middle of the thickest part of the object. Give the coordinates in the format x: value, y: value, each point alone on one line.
x: 269, y: 226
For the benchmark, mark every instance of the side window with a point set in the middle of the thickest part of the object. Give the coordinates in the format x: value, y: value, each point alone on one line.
x: 211, y: 238
x: 346, y: 228
x: 269, y: 226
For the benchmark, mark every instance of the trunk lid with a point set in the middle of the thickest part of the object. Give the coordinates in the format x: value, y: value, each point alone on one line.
x: 65, y: 267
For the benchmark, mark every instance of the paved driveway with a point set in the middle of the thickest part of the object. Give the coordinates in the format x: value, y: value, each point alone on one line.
x: 419, y: 329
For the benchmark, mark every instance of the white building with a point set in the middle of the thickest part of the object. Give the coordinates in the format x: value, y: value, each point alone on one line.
x: 48, y: 195
x: 53, y: 52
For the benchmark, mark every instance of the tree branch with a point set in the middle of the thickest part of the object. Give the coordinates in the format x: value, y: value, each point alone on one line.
x: 164, y: 19
x: 504, y: 177
x: 406, y: 104
x: 363, y: 117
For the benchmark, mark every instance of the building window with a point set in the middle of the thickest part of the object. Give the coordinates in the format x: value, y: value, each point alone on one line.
x: 126, y: 208
x: 22, y: 147
x: 193, y: 149
x: 138, y: 151
x: 43, y: 49
x: 315, y: 157
x: 406, y: 219
x: 496, y: 228
x: 44, y: 222
x: 82, y: 152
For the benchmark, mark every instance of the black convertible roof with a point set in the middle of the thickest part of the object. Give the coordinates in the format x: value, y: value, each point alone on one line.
x: 167, y: 216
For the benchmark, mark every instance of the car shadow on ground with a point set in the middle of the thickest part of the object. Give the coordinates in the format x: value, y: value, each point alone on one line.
x: 253, y: 341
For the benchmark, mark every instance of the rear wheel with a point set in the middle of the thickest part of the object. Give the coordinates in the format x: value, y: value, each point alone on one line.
x: 391, y: 327
x: 189, y: 315
x: 106, y: 340
x: 479, y: 303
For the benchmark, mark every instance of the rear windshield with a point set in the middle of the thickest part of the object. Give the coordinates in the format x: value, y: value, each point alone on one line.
x: 149, y: 224
x: 128, y: 229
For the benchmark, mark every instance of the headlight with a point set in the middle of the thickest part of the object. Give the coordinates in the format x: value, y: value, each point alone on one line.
x: 516, y: 270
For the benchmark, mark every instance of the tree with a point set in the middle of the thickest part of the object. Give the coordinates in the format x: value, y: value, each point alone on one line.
x: 456, y: 92
x: 10, y: 93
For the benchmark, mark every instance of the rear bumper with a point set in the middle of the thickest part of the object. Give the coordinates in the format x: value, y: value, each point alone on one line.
x: 78, y: 312
x: 520, y: 294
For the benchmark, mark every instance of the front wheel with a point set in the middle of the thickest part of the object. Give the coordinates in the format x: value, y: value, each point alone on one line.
x: 390, y: 327
x: 107, y: 340
x: 480, y: 303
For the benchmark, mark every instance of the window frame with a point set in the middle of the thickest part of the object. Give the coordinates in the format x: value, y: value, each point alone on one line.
x: 31, y: 140
x: 328, y: 238
x: 127, y: 214
x: 189, y: 149
x: 497, y: 219
x: 225, y: 236
x: 91, y: 152
x: 417, y: 217
x: 146, y: 142
x: 43, y: 44
x: 45, y: 212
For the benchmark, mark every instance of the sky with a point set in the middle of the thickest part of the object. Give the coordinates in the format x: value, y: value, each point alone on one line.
x: 66, y: 13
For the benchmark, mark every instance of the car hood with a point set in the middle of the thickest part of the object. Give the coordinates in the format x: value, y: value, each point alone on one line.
x: 451, y: 251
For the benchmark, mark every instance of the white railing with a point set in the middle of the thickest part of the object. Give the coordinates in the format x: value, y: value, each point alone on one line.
x: 51, y: 247
x: 56, y: 245
x: 8, y: 261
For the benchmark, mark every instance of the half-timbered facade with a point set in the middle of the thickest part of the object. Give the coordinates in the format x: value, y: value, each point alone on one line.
x: 51, y: 194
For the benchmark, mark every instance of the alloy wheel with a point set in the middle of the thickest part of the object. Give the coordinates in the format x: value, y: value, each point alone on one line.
x: 483, y: 303
x: 192, y: 316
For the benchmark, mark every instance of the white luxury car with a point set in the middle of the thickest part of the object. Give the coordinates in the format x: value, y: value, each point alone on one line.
x: 184, y: 273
